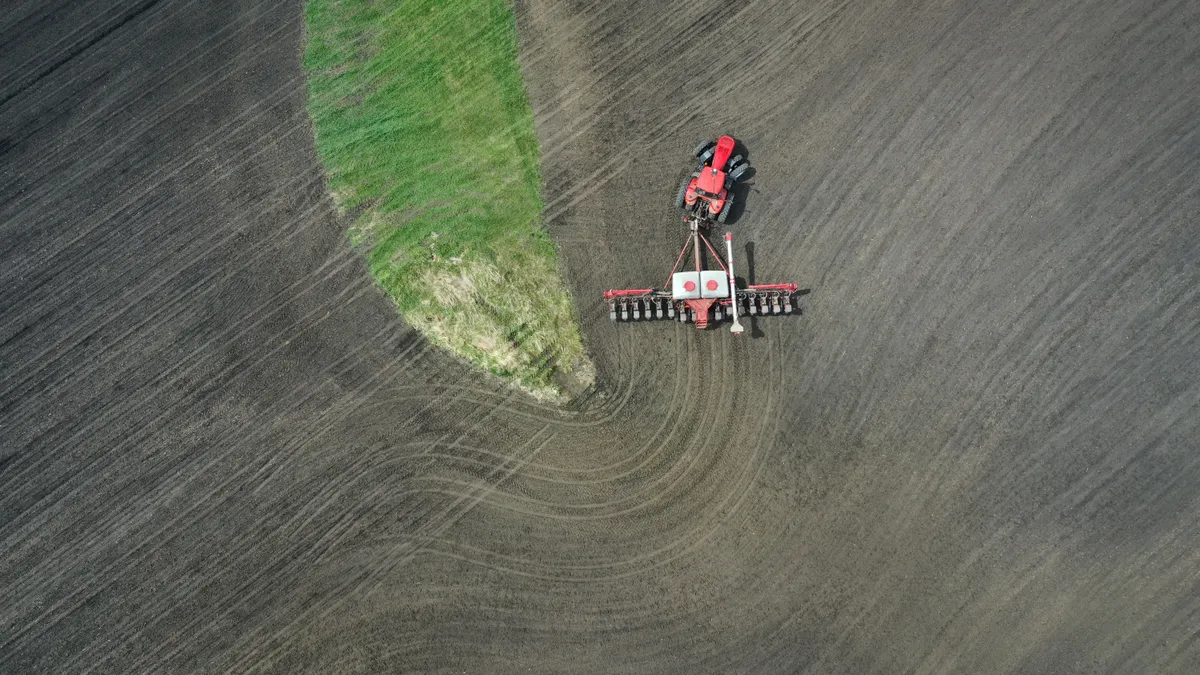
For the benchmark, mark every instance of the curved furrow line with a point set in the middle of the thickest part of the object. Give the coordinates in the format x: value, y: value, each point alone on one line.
x: 304, y: 555
x: 336, y: 537
x: 639, y: 458
x: 683, y: 543
x: 445, y: 519
x: 396, y: 366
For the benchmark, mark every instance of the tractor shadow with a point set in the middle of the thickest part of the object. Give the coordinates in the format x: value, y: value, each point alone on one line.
x: 751, y: 278
x: 741, y: 191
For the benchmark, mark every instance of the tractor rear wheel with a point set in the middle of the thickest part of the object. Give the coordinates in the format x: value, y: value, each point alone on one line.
x: 706, y: 145
x: 682, y: 195
x: 725, y: 210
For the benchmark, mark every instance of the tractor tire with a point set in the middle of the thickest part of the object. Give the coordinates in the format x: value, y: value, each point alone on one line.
x: 706, y: 156
x: 733, y: 162
x: 706, y: 145
x: 725, y: 211
x: 682, y: 195
x: 737, y: 173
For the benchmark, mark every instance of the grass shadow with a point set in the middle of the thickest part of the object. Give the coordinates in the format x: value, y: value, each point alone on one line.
x: 742, y: 189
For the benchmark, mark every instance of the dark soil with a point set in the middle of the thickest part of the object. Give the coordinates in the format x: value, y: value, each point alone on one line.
x: 974, y: 451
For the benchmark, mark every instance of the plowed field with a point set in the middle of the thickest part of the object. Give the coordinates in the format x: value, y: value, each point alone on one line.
x: 974, y: 451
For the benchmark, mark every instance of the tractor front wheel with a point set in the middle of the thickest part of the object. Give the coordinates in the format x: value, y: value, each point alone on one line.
x: 739, y: 172
x: 733, y: 162
x: 706, y: 145
x: 682, y: 195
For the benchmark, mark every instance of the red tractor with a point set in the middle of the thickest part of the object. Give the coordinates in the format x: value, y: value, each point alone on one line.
x: 697, y: 295
x: 706, y: 193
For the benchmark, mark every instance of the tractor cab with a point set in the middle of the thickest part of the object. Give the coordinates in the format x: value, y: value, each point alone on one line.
x: 706, y: 193
x: 711, y: 182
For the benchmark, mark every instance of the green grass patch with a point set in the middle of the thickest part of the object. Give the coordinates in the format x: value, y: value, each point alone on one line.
x: 426, y: 136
